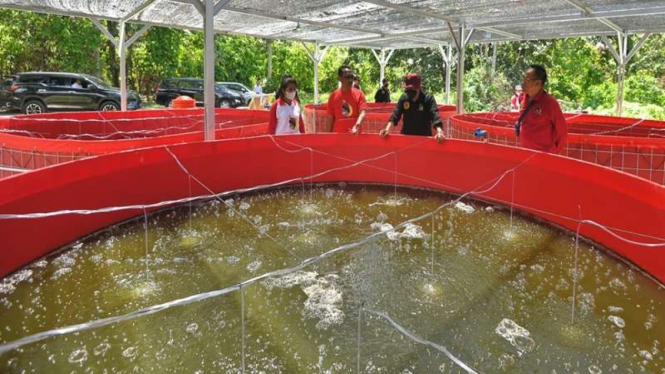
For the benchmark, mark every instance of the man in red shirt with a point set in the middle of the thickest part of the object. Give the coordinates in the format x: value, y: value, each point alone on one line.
x: 515, y: 100
x: 346, y: 104
x: 541, y: 125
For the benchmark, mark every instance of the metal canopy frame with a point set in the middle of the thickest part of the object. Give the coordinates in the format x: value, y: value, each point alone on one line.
x: 383, y: 25
x: 375, y: 24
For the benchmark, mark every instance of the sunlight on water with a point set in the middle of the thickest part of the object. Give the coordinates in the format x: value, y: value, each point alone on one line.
x: 308, y: 208
x: 432, y: 289
x: 509, y: 235
x: 496, y: 292
x: 189, y: 241
x: 144, y: 289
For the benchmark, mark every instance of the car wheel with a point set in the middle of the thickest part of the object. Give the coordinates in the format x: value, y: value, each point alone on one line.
x: 109, y: 106
x: 224, y: 103
x: 34, y: 107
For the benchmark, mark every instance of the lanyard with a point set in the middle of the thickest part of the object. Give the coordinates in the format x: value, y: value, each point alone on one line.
x: 518, y: 124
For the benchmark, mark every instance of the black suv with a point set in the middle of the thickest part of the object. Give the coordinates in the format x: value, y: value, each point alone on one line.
x: 7, y: 88
x: 169, y: 89
x: 33, y: 93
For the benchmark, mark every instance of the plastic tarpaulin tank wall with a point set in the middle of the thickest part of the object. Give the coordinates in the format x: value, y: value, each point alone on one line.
x: 631, y: 145
x: 36, y: 141
x: 617, y: 210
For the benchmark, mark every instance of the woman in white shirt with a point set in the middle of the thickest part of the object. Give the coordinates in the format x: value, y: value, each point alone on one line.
x: 285, y: 116
x: 258, y: 89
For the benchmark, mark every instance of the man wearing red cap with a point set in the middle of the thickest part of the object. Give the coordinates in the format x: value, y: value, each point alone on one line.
x: 346, y: 104
x: 419, y: 109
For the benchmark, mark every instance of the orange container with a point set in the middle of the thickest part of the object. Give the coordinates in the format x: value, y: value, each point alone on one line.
x: 183, y: 102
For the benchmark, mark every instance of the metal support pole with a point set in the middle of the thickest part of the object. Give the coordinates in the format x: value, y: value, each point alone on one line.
x: 621, y: 73
x: 122, y: 46
x: 382, y: 65
x: 269, y: 72
x: 494, y: 45
x: 316, y: 79
x: 209, y: 70
x: 460, y: 70
x: 316, y: 56
x: 383, y: 62
x: 449, y: 68
x: 448, y: 61
x: 622, y: 56
x: 123, y: 67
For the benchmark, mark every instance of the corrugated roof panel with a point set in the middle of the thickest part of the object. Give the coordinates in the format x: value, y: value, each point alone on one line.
x: 323, y: 10
x: 398, y: 21
x: 644, y: 23
x: 490, y: 11
x: 172, y: 13
x: 110, y: 9
x: 388, y: 21
x: 614, y: 5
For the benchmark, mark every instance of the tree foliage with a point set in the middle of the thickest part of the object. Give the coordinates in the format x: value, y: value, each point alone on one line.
x: 582, y: 71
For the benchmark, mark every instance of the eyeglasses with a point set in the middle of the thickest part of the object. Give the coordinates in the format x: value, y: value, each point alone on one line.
x: 530, y: 79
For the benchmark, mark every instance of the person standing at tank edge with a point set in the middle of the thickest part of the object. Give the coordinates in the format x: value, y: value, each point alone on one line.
x: 419, y: 109
x: 541, y: 125
x: 383, y: 93
x: 285, y: 114
x: 516, y: 98
x: 345, y: 102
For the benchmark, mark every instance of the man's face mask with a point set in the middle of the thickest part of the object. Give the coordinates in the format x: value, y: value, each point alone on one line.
x: 411, y: 94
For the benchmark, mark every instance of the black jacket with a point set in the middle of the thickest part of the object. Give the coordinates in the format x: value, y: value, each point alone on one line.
x: 382, y: 95
x: 419, y: 116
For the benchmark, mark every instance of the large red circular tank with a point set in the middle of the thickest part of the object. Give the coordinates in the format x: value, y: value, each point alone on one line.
x: 36, y: 141
x: 631, y: 145
x: 614, y: 209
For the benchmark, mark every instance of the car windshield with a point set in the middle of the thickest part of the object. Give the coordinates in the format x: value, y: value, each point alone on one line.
x: 98, y: 82
x: 229, y: 86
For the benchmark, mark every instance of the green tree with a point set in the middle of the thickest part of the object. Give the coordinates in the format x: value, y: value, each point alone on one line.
x: 583, y: 72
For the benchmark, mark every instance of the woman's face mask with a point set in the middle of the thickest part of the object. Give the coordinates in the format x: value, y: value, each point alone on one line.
x: 290, y: 95
x: 411, y: 94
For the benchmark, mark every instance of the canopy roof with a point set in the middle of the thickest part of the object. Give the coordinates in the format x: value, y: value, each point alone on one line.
x: 390, y: 24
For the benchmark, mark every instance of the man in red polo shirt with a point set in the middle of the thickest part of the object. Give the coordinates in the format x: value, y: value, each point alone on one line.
x: 541, y: 125
x: 346, y: 104
x: 515, y: 100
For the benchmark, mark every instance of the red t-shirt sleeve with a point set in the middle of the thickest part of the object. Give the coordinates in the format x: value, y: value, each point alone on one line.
x: 331, y: 104
x: 362, y: 102
x: 272, y: 121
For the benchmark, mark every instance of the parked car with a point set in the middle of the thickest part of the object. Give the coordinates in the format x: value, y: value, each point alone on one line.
x: 7, y: 88
x: 238, y: 87
x: 39, y: 92
x: 171, y: 88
